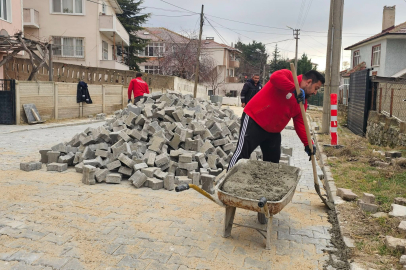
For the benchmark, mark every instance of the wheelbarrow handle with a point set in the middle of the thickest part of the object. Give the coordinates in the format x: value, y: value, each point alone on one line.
x: 182, y: 187
x: 262, y: 202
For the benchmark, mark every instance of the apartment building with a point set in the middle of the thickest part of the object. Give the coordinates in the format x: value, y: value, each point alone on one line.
x: 160, y: 39
x: 82, y: 32
x: 11, y: 21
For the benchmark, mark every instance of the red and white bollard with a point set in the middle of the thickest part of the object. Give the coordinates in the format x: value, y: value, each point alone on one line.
x: 333, y: 126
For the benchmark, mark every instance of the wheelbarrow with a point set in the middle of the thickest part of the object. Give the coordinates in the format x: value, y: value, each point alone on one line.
x: 232, y: 202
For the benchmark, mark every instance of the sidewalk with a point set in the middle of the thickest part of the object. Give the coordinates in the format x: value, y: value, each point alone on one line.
x: 53, y: 220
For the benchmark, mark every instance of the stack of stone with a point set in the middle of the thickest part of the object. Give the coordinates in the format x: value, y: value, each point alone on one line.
x: 163, y: 140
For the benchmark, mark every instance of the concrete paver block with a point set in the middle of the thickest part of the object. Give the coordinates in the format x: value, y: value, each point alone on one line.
x: 149, y: 172
x: 140, y: 166
x: 397, y: 211
x: 393, y: 154
x: 124, y: 170
x: 393, y: 243
x: 346, y: 194
x: 101, y: 174
x: 44, y: 155
x: 368, y: 207
x: 88, y: 175
x: 169, y: 181
x: 368, y: 198
x: 155, y: 183
x: 400, y: 201
x: 138, y: 179
x: 57, y: 167
x: 113, y: 178
x: 30, y: 166
x: 53, y: 156
x: 207, y: 183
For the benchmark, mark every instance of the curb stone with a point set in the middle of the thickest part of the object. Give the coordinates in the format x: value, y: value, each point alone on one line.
x: 56, y: 126
x: 331, y: 189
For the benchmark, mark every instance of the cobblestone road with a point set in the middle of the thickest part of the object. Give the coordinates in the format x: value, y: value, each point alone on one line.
x: 53, y: 221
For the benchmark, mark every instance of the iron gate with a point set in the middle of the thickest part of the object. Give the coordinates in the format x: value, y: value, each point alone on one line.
x: 359, y: 102
x: 7, y: 102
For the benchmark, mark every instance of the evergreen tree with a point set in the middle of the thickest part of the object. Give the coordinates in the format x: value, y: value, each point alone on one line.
x: 304, y: 64
x: 132, y: 21
x: 277, y: 63
x: 252, y: 59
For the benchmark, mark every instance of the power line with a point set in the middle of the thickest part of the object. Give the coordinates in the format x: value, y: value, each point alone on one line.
x: 306, y: 13
x: 179, y: 7
x: 266, y: 26
x: 300, y: 13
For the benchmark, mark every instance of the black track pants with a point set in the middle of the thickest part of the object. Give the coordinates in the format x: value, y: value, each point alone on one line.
x: 252, y: 136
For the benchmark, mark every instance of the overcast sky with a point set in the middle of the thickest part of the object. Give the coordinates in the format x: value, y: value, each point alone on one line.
x: 362, y: 18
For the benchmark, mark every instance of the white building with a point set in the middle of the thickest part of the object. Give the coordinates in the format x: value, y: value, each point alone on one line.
x: 383, y: 53
x: 82, y: 32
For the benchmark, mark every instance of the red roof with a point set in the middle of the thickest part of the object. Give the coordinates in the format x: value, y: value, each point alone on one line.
x: 159, y: 34
x: 348, y: 72
x: 394, y: 30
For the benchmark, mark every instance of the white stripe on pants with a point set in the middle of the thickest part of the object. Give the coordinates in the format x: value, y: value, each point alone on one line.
x: 240, y: 142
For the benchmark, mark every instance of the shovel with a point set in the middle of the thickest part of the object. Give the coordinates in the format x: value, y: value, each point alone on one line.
x: 309, y: 140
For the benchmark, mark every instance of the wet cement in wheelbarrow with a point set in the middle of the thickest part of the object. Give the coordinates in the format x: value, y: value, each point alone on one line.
x: 257, y: 179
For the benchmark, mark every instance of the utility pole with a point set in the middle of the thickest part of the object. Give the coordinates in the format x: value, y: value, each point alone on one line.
x: 332, y: 59
x: 296, y: 36
x: 198, y: 54
x: 263, y: 77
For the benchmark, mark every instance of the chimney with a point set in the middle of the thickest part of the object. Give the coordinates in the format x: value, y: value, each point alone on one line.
x: 388, y: 19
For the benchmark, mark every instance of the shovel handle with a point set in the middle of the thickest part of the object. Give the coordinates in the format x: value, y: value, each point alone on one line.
x: 182, y: 187
x: 262, y: 202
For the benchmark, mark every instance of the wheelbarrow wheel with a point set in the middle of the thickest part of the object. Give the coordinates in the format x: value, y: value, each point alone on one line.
x: 262, y: 219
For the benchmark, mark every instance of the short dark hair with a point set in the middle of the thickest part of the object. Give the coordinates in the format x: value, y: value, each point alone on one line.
x: 138, y: 74
x: 314, y: 75
x: 255, y: 74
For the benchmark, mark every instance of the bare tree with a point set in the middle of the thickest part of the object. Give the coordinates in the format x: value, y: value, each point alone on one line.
x: 212, y: 74
x: 179, y: 57
x: 12, y: 45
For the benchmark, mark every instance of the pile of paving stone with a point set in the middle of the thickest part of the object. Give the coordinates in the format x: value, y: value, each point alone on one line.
x: 162, y: 141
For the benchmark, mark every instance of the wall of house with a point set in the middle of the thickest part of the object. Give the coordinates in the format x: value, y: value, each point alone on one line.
x: 366, y: 55
x: 385, y: 131
x: 13, y: 25
x: 85, y: 26
x: 58, y: 100
x: 396, y: 56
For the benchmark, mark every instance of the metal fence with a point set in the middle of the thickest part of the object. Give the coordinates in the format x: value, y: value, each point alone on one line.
x: 391, y: 99
x: 316, y: 100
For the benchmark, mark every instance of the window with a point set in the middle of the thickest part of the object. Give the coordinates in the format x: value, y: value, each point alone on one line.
x: 210, y: 92
x: 67, y: 6
x: 233, y: 93
x: 105, y: 48
x: 68, y: 47
x: 152, y: 69
x: 154, y: 49
x: 356, y: 58
x: 5, y: 10
x: 346, y: 90
x: 376, y: 55
x: 230, y: 72
x: 104, y: 7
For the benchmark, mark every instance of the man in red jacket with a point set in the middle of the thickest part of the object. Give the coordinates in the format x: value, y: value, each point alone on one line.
x: 139, y: 87
x: 269, y: 111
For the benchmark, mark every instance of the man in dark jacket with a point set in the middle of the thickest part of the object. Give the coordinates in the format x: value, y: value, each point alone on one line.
x: 250, y: 89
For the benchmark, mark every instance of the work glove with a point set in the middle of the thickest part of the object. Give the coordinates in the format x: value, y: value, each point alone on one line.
x: 307, y: 150
x: 301, y: 96
x: 129, y: 100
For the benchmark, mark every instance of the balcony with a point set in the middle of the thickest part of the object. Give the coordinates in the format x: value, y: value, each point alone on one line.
x: 113, y: 64
x: 232, y: 79
x: 113, y: 29
x: 31, y: 18
x: 233, y: 64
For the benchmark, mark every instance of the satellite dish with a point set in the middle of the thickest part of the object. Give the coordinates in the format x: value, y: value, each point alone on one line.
x: 4, y: 33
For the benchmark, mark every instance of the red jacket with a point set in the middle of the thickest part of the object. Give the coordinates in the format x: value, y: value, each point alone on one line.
x: 274, y: 106
x: 139, y: 87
